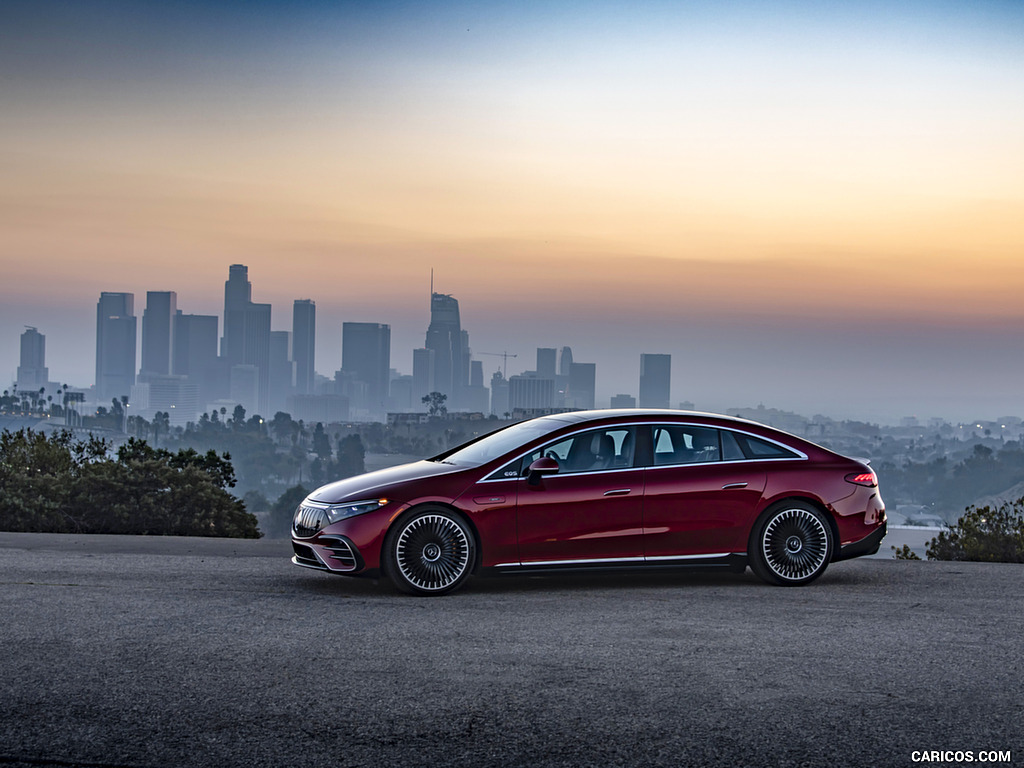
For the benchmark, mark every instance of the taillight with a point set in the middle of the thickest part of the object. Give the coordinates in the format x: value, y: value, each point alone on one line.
x: 862, y: 478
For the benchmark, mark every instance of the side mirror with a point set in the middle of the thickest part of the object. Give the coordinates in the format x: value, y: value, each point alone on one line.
x: 541, y: 467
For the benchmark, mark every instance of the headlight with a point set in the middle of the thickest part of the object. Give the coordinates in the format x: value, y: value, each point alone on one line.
x: 337, y: 512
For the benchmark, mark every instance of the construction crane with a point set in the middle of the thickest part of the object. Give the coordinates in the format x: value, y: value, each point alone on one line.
x: 504, y: 360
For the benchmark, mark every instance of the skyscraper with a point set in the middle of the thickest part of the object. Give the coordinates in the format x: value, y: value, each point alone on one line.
x: 655, y: 380
x: 237, y: 296
x: 195, y: 355
x: 444, y: 337
x: 422, y: 375
x: 546, y: 357
x: 158, y: 333
x: 582, y: 385
x: 366, y: 357
x: 256, y: 352
x: 246, y: 341
x: 32, y: 373
x: 564, y: 361
x: 282, y: 371
x: 115, y: 345
x: 304, y: 344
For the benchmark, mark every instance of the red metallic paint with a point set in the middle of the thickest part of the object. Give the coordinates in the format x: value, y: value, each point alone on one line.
x: 615, y: 514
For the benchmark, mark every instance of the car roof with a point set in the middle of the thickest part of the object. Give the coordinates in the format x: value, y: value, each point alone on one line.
x: 599, y: 416
x: 575, y: 417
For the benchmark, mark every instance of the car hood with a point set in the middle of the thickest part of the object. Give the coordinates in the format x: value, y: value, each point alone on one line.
x: 372, y: 483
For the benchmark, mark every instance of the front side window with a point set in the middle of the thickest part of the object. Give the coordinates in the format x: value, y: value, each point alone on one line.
x: 593, y: 451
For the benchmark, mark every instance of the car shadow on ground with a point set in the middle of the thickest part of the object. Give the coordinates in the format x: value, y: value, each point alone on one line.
x: 579, y: 582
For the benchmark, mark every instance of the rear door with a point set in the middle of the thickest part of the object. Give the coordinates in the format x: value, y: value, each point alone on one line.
x: 700, y: 493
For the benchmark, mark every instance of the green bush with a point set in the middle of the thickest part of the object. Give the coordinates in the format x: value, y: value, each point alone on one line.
x: 983, y: 535
x: 53, y: 484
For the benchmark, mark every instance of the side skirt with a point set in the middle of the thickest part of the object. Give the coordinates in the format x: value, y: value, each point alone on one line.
x: 735, y: 562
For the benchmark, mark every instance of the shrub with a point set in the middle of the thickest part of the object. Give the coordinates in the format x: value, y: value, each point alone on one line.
x: 984, y: 535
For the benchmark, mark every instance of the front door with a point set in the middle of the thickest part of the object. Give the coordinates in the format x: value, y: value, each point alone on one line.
x: 591, y: 510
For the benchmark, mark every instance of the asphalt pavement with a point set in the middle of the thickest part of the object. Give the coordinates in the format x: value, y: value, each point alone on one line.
x: 146, y: 652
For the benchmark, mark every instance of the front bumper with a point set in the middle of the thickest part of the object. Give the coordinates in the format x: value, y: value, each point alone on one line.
x: 333, y: 553
x: 867, y: 546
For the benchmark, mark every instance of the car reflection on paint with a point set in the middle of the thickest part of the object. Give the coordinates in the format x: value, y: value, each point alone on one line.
x: 614, y: 489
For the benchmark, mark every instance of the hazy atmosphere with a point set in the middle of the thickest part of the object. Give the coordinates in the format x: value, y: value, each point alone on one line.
x: 815, y: 206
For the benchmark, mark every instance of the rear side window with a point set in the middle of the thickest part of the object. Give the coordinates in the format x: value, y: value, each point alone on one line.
x: 685, y: 445
x: 731, y: 450
x: 755, y: 448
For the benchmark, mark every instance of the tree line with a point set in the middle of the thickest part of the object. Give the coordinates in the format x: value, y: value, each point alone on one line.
x: 54, y: 483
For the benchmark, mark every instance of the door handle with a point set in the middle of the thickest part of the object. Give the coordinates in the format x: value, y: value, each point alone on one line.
x: 733, y: 486
x: 618, y: 492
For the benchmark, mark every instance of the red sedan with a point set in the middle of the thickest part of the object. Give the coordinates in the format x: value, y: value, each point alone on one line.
x: 616, y: 489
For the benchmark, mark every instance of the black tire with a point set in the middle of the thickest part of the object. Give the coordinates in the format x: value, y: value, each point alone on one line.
x: 430, y: 551
x: 791, y: 544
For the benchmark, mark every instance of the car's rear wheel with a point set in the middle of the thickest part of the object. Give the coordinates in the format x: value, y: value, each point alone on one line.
x: 792, y: 544
x: 430, y: 551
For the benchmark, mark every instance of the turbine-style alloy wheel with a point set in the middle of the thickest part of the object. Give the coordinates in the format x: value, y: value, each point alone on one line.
x: 429, y: 553
x: 792, y: 545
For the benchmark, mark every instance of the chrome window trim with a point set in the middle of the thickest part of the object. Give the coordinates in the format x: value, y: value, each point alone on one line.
x: 800, y: 455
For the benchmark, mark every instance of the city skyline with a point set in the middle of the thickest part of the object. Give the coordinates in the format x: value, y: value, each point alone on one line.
x: 817, y: 206
x: 629, y: 371
x: 182, y: 368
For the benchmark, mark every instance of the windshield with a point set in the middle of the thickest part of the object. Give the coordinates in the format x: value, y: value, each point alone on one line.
x: 499, y: 443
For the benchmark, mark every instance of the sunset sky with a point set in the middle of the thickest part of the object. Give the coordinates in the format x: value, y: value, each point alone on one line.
x: 818, y: 206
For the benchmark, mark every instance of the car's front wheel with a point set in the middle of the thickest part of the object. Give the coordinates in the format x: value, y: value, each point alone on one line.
x: 429, y: 552
x: 792, y: 544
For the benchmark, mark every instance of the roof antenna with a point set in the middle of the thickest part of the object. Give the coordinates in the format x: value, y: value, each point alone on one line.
x: 431, y: 282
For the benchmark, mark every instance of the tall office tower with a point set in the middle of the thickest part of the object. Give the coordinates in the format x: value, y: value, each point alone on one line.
x: 237, y: 297
x: 33, y: 373
x: 499, y: 395
x: 158, y: 333
x: 475, y: 397
x: 366, y: 357
x: 582, y: 385
x: 246, y: 342
x: 256, y: 352
x: 655, y: 380
x: 564, y: 361
x: 304, y: 344
x: 422, y: 376
x: 115, y: 345
x: 546, y: 357
x: 444, y: 337
x: 562, y: 397
x: 195, y: 355
x: 282, y: 371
